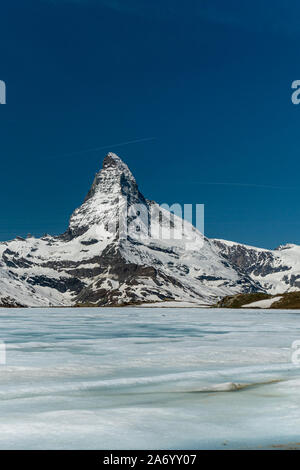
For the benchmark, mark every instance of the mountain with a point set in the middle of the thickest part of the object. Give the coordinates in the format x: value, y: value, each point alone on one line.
x: 275, y: 271
x: 121, y: 248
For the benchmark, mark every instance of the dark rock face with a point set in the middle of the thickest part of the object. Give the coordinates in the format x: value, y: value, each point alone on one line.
x: 121, y: 276
x: 259, y: 263
x: 9, y: 302
x: 293, y: 280
x: 61, y: 285
x: 250, y: 261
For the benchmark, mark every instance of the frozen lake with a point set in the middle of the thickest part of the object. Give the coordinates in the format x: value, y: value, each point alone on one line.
x: 151, y: 378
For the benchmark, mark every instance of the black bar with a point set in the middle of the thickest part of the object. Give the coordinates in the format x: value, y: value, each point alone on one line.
x: 137, y: 458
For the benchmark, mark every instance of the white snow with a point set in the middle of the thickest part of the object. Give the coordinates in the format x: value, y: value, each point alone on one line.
x: 266, y: 303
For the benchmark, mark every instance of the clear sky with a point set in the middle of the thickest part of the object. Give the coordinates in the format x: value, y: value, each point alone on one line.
x: 208, y: 81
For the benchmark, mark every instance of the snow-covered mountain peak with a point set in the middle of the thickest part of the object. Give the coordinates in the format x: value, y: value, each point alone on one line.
x: 113, y: 160
x: 121, y: 248
x: 113, y: 186
x: 114, y: 178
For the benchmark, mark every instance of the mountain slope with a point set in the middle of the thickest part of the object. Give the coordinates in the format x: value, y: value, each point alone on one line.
x: 121, y: 248
x: 276, y: 271
x: 287, y: 300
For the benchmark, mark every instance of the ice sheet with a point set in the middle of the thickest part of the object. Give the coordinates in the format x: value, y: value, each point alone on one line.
x: 148, y: 378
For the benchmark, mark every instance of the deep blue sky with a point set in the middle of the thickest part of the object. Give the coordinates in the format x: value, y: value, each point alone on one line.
x: 209, y: 80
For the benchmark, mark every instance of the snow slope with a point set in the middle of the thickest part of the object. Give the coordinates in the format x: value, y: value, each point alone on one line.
x: 276, y: 271
x: 266, y: 303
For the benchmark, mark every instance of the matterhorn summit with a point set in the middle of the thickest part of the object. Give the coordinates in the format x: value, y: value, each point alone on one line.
x: 115, y: 252
x: 111, y: 185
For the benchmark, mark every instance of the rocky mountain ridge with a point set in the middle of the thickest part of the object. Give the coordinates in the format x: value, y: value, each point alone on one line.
x: 113, y: 253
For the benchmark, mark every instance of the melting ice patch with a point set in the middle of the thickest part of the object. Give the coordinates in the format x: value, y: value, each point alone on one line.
x: 148, y: 378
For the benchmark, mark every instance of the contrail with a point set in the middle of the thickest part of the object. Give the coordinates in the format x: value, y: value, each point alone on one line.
x: 94, y: 149
x: 251, y: 185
